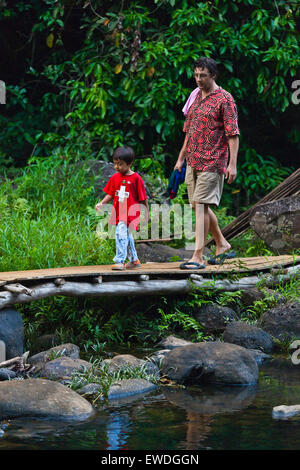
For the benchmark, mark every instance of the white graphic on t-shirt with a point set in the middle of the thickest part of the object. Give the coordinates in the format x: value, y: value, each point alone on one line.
x: 122, y: 193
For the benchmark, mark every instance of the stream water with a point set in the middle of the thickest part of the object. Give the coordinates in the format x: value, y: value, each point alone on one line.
x: 175, y: 418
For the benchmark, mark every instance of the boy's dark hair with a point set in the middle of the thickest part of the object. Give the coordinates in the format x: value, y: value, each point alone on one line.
x: 124, y: 153
x: 210, y: 64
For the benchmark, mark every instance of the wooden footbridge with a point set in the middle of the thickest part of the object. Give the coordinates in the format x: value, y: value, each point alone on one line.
x: 149, y: 279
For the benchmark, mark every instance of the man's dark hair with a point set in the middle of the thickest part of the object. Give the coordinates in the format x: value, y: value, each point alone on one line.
x: 124, y: 153
x: 206, y: 62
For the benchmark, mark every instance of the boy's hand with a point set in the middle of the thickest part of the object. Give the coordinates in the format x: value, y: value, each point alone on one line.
x: 98, y: 206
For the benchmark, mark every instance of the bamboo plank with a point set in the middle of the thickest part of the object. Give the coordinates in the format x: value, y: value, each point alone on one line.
x: 172, y: 268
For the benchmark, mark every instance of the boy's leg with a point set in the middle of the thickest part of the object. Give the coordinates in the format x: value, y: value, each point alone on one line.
x: 132, y: 254
x: 121, y: 243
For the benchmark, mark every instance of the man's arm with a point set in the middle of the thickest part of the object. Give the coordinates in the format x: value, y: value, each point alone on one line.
x: 231, y: 171
x: 181, y: 157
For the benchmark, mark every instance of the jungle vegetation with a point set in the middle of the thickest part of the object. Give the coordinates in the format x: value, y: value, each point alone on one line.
x: 84, y: 76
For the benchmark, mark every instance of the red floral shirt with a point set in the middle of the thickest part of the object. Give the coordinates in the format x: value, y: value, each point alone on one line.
x: 208, y: 124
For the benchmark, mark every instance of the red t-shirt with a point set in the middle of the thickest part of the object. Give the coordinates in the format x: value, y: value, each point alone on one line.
x: 209, y: 123
x: 127, y: 191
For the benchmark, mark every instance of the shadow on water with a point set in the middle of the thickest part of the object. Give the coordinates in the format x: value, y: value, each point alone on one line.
x: 191, y: 418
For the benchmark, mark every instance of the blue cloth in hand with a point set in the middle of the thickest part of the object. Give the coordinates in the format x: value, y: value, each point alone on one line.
x: 176, y: 178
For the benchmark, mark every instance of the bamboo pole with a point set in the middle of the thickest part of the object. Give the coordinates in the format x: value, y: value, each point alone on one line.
x: 146, y: 287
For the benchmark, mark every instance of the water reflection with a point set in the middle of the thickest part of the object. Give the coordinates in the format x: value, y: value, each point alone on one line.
x: 211, y: 400
x: 177, y: 418
x: 203, y: 404
x: 117, y: 430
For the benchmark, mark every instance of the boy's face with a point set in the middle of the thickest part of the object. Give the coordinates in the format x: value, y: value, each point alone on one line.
x: 121, y: 166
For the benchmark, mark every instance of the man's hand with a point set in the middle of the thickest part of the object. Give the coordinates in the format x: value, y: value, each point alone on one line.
x: 179, y: 165
x: 230, y: 174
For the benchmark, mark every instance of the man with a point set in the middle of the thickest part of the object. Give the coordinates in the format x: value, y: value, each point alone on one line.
x: 212, y: 134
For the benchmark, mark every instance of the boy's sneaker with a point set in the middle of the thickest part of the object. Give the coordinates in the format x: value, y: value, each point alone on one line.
x: 133, y: 264
x: 119, y: 267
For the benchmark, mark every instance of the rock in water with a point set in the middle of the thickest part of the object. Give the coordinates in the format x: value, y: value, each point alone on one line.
x: 63, y: 367
x: 42, y: 398
x: 211, y: 362
x: 67, y: 349
x: 128, y: 387
x: 172, y: 342
x: 123, y: 361
x: 7, y: 374
x: 284, y: 411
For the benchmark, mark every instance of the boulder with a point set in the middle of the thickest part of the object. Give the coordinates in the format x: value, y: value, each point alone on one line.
x: 158, y: 356
x: 128, y: 387
x: 63, y: 367
x: 259, y: 356
x: 211, y: 362
x: 278, y: 297
x: 278, y: 224
x: 284, y: 411
x: 12, y: 332
x: 42, y: 398
x: 248, y: 336
x: 283, y: 321
x: 172, y: 342
x: 159, y: 253
x: 7, y: 374
x: 90, y: 390
x: 68, y: 349
x: 123, y: 361
x: 251, y: 295
x: 47, y: 341
x: 214, y: 317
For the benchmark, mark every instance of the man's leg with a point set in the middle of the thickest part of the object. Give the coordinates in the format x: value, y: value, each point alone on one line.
x: 222, y: 244
x: 201, y: 231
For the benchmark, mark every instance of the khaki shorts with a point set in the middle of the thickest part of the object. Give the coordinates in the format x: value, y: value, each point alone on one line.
x: 203, y: 186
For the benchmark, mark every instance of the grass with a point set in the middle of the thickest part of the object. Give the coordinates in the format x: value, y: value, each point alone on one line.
x: 47, y: 221
x: 99, y: 374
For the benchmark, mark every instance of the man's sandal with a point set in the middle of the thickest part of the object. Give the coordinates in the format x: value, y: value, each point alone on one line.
x: 219, y: 259
x: 192, y: 265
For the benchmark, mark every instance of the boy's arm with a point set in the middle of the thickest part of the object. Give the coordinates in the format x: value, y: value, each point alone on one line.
x: 105, y: 200
x: 145, y: 203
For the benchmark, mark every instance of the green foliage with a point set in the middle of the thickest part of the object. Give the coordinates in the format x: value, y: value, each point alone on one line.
x: 46, y: 221
x: 126, y: 79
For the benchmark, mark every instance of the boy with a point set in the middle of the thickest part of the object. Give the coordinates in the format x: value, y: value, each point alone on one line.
x: 127, y: 190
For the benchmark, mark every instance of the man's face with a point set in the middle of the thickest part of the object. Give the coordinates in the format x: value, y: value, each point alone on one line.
x: 203, y: 78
